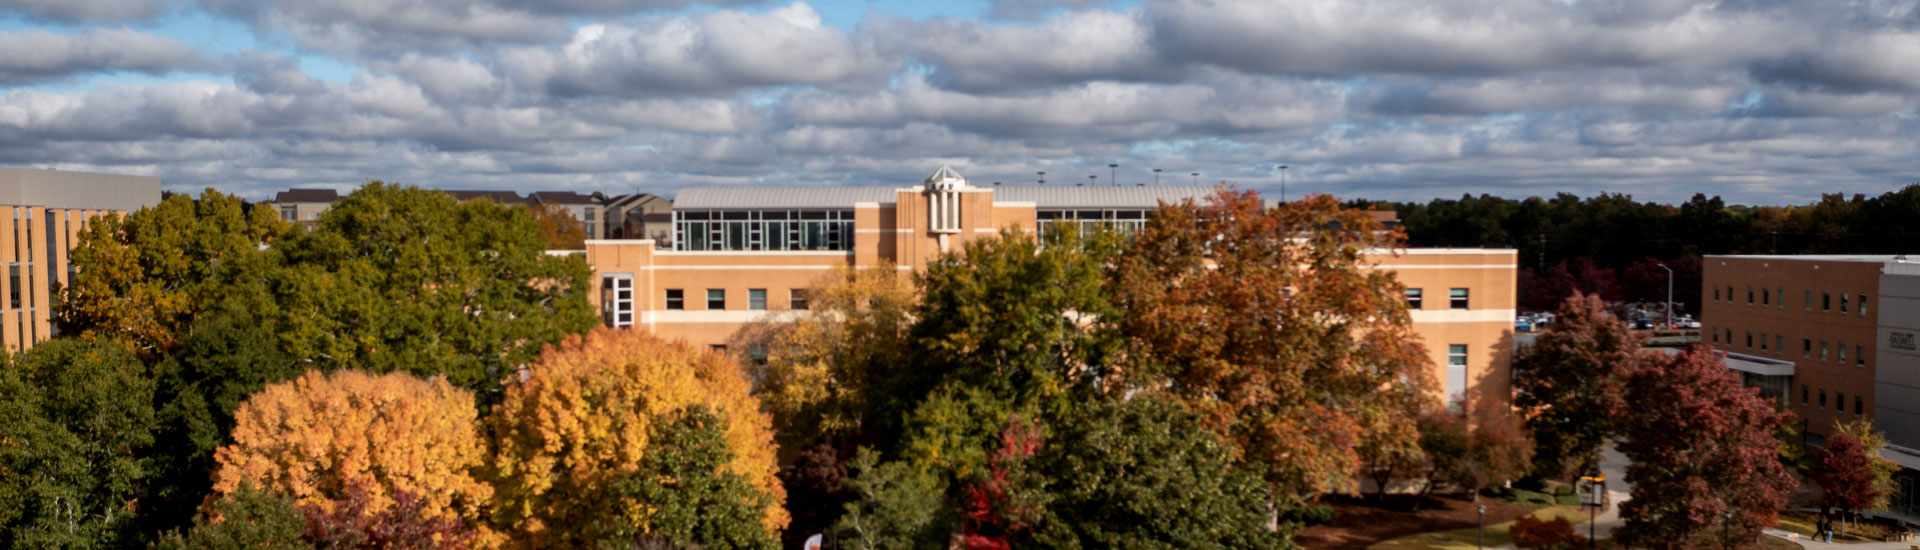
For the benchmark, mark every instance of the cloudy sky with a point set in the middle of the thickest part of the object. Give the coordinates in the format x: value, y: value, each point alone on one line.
x: 1760, y: 101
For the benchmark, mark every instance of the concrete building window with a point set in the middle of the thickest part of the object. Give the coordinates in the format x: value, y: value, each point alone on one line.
x: 1843, y: 302
x: 1806, y: 348
x: 716, y: 298
x: 797, y: 298
x: 1860, y: 356
x: 1809, y: 301
x: 616, y: 300
x: 756, y: 298
x: 290, y: 213
x: 1457, y: 298
x: 676, y: 299
x: 1413, y: 298
x: 1456, y: 373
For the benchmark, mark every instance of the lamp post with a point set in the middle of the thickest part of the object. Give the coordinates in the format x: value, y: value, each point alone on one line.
x: 1196, y: 178
x: 1091, y: 179
x: 1669, y: 295
x: 1483, y: 525
x: 1043, y: 177
x: 1726, y: 533
x: 1112, y: 171
x: 1156, y: 177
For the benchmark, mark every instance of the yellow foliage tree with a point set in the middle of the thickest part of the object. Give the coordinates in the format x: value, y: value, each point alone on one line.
x: 317, y: 435
x: 579, y: 419
x: 559, y: 228
x: 825, y: 367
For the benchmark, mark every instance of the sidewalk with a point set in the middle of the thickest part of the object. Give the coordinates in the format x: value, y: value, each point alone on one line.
x: 1817, y: 545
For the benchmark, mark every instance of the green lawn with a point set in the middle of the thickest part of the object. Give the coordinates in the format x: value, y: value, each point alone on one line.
x: 1468, y: 539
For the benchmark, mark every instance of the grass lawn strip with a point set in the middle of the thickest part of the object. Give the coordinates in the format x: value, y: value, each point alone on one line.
x: 1468, y: 539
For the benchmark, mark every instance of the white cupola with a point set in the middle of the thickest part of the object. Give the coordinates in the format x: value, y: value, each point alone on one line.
x: 943, y: 190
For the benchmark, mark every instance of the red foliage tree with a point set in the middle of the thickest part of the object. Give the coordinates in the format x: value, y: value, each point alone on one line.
x: 349, y: 523
x: 1846, y: 475
x: 996, y: 509
x: 1702, y: 448
x: 1570, y: 383
x: 1534, y: 534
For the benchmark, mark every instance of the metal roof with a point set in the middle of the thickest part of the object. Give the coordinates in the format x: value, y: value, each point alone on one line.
x: 306, y: 195
x: 746, y: 198
x: 1139, y: 196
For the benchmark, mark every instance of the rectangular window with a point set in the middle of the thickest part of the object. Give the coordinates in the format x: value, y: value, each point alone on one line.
x: 13, y: 282
x: 1764, y: 298
x: 716, y: 298
x: 1806, y: 348
x: 1859, y: 406
x: 1749, y: 339
x: 1456, y: 372
x: 1841, y: 349
x: 1843, y: 302
x: 1413, y: 298
x: 1749, y: 295
x: 1823, y: 350
x: 797, y: 298
x: 1823, y: 398
x: 1716, y: 293
x: 1457, y: 298
x: 1860, y: 356
x: 1714, y: 333
x: 1763, y: 341
x: 756, y: 298
x: 289, y: 213
x: 1840, y: 401
x: 1780, y: 298
x: 676, y: 299
x: 1863, y: 305
x: 717, y: 348
x: 616, y: 300
x: 1803, y: 395
x: 1826, y: 301
x: 1778, y: 347
x: 1809, y: 301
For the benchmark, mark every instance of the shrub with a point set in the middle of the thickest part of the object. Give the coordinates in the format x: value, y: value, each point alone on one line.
x: 1310, y: 515
x: 1532, y: 533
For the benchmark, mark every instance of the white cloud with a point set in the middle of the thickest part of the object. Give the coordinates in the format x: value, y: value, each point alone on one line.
x: 36, y: 56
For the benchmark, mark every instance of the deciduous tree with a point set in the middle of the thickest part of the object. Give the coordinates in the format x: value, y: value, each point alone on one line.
x: 1702, y: 448
x: 76, y: 422
x: 245, y: 519
x: 558, y: 228
x: 1570, y: 382
x: 1274, y: 326
x: 320, y: 437
x: 692, y: 499
x: 1850, y: 471
x: 581, y: 418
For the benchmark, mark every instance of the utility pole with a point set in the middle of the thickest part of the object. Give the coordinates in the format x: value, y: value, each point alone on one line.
x: 1196, y: 178
x: 1043, y: 177
x: 1283, y: 183
x: 1112, y: 174
x: 1543, y: 249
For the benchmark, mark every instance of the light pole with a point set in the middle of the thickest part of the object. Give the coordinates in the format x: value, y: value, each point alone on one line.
x: 1091, y: 179
x: 1043, y: 177
x: 1483, y: 525
x: 1669, y: 295
x: 1112, y: 170
x: 1196, y: 178
x: 1156, y: 177
x: 1726, y: 533
x: 1283, y: 183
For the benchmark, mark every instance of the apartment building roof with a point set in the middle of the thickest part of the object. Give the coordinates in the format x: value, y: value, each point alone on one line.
x: 1045, y: 197
x: 561, y: 197
x: 306, y: 195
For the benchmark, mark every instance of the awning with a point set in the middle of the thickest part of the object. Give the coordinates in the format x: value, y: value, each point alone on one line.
x: 1759, y: 365
x: 1908, y: 458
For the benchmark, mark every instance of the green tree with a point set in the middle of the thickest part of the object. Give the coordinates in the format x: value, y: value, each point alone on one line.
x: 247, y: 519
x: 1570, y: 381
x: 145, y: 276
x: 1146, y: 473
x: 76, y: 420
x: 897, y: 506
x: 692, y: 499
x: 401, y: 278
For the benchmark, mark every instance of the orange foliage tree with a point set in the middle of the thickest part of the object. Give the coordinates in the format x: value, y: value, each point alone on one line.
x: 579, y: 419
x: 559, y: 228
x: 317, y: 437
x: 1273, y: 325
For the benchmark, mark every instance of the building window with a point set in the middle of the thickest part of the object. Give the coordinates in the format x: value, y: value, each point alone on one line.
x: 1809, y: 301
x: 1716, y: 293
x: 1413, y: 298
x: 676, y: 299
x: 797, y: 298
x: 1749, y: 295
x: 1763, y: 341
x: 1778, y: 344
x: 1714, y: 333
x: 1823, y: 350
x: 1843, y: 302
x: 616, y: 300
x: 758, y: 354
x: 1764, y: 297
x: 1860, y: 355
x: 1457, y: 298
x: 756, y: 298
x: 1749, y: 339
x: 1823, y: 398
x: 717, y: 348
x: 1806, y: 348
x: 1859, y: 406
x: 1803, y: 395
x: 716, y: 298
x: 1841, y: 349
x: 290, y: 213
x: 1826, y: 301
x: 1863, y: 305
x: 13, y: 282
x: 1780, y: 298
x: 763, y: 230
x: 1456, y: 373
x: 1840, y: 401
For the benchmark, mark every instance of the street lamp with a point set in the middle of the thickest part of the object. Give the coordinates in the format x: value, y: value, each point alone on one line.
x: 1483, y: 525
x: 1091, y: 180
x: 1113, y: 169
x: 1726, y: 533
x: 1156, y: 177
x: 1196, y: 178
x: 1043, y: 177
x: 1669, y: 295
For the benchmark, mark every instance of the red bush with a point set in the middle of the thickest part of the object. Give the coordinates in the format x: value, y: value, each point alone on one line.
x: 1534, y: 534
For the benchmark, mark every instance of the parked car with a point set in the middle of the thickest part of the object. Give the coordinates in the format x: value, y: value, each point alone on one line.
x: 1641, y: 324
x: 1523, y: 324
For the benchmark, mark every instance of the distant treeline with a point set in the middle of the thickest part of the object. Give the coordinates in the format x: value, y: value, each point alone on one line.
x: 1614, y: 233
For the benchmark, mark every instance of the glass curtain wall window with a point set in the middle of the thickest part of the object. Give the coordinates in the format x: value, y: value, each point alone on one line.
x: 1088, y: 221
x: 735, y: 230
